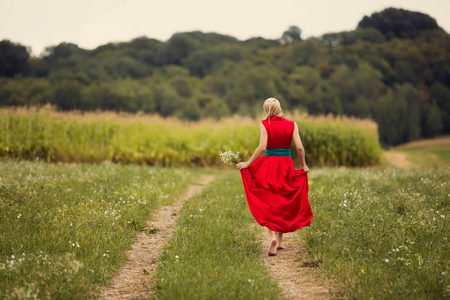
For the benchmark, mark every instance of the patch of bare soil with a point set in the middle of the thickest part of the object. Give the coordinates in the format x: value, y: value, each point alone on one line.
x: 298, y: 276
x: 135, y: 279
x: 440, y: 142
x: 398, y: 159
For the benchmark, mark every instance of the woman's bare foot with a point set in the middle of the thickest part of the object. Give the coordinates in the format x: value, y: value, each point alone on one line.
x: 280, y: 241
x: 273, y: 243
x: 272, y: 248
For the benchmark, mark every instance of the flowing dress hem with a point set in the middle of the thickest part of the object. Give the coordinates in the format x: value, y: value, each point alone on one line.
x: 306, y: 223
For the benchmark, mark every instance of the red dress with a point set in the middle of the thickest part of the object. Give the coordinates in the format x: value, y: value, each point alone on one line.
x: 277, y: 194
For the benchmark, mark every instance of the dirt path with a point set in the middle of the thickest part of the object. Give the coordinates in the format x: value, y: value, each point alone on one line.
x: 398, y: 159
x: 297, y: 276
x: 135, y: 279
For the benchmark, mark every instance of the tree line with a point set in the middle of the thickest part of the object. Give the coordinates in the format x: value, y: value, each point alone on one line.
x: 393, y: 68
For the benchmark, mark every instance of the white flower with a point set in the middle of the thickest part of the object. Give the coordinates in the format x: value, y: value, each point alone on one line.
x: 386, y: 260
x: 442, y: 216
x: 176, y: 256
x: 12, y: 256
x: 229, y: 157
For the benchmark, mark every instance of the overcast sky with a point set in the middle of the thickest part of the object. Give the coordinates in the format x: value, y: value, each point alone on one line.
x: 90, y: 23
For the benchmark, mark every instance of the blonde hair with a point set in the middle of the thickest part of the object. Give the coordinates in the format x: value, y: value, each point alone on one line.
x: 272, y: 108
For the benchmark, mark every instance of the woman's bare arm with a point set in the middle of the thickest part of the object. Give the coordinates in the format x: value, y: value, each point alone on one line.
x: 258, y: 152
x: 300, y: 149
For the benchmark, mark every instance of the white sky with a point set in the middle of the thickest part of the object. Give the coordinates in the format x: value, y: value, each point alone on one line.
x: 90, y: 23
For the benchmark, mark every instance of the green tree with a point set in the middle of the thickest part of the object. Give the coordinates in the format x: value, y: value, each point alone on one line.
x: 14, y: 59
x: 370, y: 35
x: 211, y: 106
x: 397, y: 113
x: 434, y: 122
x: 178, y: 47
x: 67, y: 95
x: 306, y: 88
x: 293, y: 34
x: 362, y: 83
x: 209, y: 59
x: 399, y: 23
x: 440, y: 94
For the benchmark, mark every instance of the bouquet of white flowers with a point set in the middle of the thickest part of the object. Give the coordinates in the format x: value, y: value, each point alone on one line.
x: 229, y: 157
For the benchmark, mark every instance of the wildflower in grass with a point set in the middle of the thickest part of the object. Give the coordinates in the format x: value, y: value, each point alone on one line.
x: 386, y: 260
x: 363, y: 271
x: 229, y: 157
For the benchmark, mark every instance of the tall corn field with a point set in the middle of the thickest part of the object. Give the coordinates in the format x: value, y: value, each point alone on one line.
x: 140, y: 139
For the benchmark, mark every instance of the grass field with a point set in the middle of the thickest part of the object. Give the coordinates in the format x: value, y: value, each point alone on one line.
x: 380, y: 234
x: 383, y: 234
x: 64, y: 227
x: 430, y: 152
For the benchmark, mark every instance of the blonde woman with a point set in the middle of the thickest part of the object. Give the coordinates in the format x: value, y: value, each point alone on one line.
x: 277, y: 194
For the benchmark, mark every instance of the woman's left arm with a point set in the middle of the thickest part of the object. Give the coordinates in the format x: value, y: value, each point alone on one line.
x: 258, y: 152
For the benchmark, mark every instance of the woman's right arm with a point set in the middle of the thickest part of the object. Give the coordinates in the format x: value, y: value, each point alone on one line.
x: 259, y: 151
x: 300, y: 149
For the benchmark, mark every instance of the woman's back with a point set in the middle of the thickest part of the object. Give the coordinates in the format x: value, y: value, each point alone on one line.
x: 277, y: 194
x: 279, y: 132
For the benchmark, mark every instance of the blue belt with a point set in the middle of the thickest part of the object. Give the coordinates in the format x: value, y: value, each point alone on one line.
x: 278, y: 152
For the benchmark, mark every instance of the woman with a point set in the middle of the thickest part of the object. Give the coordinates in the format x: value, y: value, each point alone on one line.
x: 277, y: 194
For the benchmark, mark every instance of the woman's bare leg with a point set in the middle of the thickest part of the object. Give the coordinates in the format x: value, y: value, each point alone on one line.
x: 280, y: 240
x: 273, y: 243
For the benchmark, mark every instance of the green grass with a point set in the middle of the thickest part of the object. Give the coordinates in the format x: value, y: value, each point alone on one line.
x: 428, y: 157
x: 432, y: 152
x: 382, y: 234
x: 215, y: 253
x: 71, y: 137
x: 65, y: 227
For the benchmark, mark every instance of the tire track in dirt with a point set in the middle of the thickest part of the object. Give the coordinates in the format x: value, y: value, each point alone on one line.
x: 136, y: 278
x: 295, y: 273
